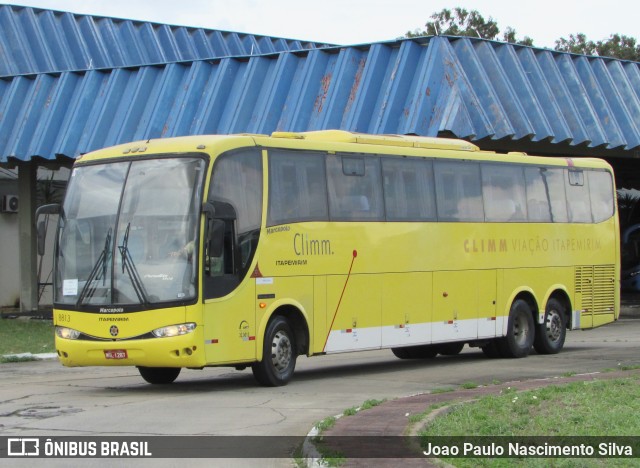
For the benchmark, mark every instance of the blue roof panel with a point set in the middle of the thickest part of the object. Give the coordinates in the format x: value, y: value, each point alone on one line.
x: 33, y: 40
x: 483, y: 91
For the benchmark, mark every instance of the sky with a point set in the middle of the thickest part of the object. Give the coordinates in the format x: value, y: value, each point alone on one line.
x: 350, y: 22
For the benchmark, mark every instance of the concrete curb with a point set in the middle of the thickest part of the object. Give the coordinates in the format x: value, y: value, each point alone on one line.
x: 31, y: 356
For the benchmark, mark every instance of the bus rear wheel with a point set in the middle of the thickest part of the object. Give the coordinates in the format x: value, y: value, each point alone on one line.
x: 159, y: 375
x: 551, y: 333
x: 278, y: 355
x: 450, y: 349
x: 520, y: 331
x: 415, y: 352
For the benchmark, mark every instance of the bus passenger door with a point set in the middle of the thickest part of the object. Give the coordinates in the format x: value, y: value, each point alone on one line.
x: 230, y: 326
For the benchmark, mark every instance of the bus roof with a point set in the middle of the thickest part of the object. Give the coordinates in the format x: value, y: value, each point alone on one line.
x: 326, y: 139
x: 341, y: 136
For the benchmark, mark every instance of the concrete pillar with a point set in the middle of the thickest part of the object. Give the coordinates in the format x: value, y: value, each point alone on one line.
x: 27, y: 179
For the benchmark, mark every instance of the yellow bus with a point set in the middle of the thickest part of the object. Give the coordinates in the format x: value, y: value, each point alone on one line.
x: 251, y: 250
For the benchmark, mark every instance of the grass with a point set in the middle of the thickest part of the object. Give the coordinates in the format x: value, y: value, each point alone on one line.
x: 469, y: 385
x: 371, y: 403
x: 350, y: 411
x: 326, y: 424
x: 25, y: 336
x: 331, y: 457
x: 591, y: 408
x: 442, y: 390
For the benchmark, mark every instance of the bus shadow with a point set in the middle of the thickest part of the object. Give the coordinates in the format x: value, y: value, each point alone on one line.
x: 391, y: 364
x: 205, y: 381
x: 383, y: 366
x: 191, y: 381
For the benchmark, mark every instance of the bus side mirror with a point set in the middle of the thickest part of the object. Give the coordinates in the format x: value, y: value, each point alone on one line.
x: 215, y: 237
x: 42, y: 235
x: 53, y: 208
x: 218, y: 214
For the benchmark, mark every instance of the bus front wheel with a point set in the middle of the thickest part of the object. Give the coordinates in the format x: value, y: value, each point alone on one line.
x: 278, y: 355
x: 551, y: 333
x: 159, y: 375
x: 520, y: 331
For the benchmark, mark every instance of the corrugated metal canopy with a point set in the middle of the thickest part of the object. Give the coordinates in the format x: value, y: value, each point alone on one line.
x: 34, y: 40
x: 490, y: 92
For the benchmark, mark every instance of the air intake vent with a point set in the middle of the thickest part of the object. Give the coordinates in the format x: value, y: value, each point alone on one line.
x: 597, y: 285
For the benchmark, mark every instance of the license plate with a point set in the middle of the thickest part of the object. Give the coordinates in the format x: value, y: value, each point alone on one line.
x: 115, y: 353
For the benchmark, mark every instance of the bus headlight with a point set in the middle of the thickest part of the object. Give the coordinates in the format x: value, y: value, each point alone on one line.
x: 67, y: 333
x: 174, y: 330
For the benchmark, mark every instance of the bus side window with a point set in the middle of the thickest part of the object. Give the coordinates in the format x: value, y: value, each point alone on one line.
x: 578, y: 200
x: 602, y: 195
x: 355, y: 192
x: 538, y: 206
x: 554, y: 184
x: 409, y: 191
x: 504, y: 193
x: 458, y: 191
x: 297, y: 188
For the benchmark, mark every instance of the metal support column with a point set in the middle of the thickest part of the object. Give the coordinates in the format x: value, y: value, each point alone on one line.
x: 27, y: 179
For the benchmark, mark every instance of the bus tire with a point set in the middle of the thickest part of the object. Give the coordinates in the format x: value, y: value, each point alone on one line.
x: 159, y: 375
x: 415, y: 352
x: 278, y: 355
x: 450, y: 349
x: 520, y: 331
x: 550, y: 334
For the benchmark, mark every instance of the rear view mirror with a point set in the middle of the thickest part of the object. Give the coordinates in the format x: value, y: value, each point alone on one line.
x: 53, y: 208
x: 215, y: 238
x: 42, y: 235
x: 218, y: 213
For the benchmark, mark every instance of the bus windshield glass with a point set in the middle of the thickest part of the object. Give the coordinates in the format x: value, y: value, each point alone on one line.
x: 128, y: 233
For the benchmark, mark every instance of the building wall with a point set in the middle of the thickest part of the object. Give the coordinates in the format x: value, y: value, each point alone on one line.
x: 9, y: 251
x: 10, y: 239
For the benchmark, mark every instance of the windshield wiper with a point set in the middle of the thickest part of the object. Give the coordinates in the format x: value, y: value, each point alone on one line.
x: 129, y: 266
x: 98, y: 272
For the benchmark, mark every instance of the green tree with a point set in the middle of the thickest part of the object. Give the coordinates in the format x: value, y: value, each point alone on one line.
x: 576, y: 44
x: 616, y: 46
x: 461, y: 22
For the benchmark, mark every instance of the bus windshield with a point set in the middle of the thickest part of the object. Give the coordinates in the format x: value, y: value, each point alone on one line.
x: 128, y: 233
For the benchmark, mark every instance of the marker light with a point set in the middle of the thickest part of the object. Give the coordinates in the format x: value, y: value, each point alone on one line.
x: 174, y: 330
x: 67, y: 333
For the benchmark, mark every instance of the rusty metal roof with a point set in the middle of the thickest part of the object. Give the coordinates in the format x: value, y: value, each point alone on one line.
x: 499, y: 96
x: 34, y: 40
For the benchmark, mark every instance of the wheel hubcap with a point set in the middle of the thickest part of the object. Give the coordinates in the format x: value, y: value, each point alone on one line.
x: 521, y: 330
x: 281, y: 351
x: 554, y: 325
